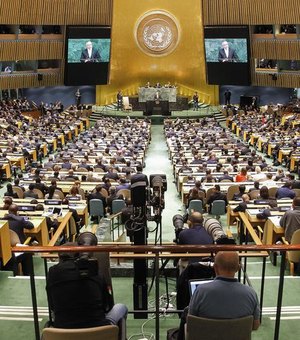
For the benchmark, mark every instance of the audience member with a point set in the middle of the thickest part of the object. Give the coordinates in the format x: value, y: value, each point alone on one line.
x: 30, y: 193
x: 18, y: 224
x: 290, y: 221
x: 216, y: 195
x: 9, y: 191
x: 78, y: 295
x: 285, y: 191
x: 238, y: 195
x: 242, y: 176
x: 225, y: 297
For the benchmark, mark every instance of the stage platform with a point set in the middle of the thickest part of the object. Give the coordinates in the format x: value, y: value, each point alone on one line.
x: 109, y: 110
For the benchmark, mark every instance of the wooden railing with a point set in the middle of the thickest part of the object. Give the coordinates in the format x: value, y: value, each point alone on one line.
x: 167, y: 251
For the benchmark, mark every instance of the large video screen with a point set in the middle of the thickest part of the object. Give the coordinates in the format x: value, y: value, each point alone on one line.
x: 227, y: 55
x: 87, y: 55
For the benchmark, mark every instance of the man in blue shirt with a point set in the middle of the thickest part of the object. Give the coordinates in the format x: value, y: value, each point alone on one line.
x: 285, y: 191
x: 225, y: 297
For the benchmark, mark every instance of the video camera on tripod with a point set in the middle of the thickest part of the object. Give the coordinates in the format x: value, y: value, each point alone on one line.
x: 158, y: 186
x: 148, y: 202
x: 143, y: 200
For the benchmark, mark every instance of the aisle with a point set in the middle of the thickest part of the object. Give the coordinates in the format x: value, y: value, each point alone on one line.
x: 157, y: 162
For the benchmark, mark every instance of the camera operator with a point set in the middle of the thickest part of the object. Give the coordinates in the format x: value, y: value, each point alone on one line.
x: 195, y: 234
x: 78, y: 295
x: 139, y: 183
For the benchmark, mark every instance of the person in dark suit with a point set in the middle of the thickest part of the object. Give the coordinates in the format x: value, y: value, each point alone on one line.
x: 227, y: 95
x: 18, y: 224
x: 195, y: 101
x: 79, y: 295
x: 90, y: 54
x: 30, y: 193
x: 78, y: 98
x: 139, y: 183
x: 227, y: 54
x: 217, y: 195
x: 119, y: 100
x: 98, y: 195
x: 157, y: 97
x: 41, y: 186
x: 242, y: 206
x: 225, y: 176
x: 10, y: 192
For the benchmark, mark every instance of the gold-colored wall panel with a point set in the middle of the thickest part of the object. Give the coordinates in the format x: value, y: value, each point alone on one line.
x: 131, y: 68
x: 251, y: 12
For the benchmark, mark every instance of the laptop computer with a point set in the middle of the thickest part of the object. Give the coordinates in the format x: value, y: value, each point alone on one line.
x: 193, y: 284
x: 53, y: 210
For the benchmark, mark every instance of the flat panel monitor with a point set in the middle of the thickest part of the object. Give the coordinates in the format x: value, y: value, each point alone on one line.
x: 87, y: 55
x: 227, y: 54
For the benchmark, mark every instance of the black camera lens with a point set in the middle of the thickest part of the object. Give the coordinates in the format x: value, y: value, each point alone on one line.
x: 178, y: 221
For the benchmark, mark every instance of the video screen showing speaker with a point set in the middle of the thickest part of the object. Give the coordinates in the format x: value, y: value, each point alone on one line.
x: 227, y: 54
x: 87, y: 55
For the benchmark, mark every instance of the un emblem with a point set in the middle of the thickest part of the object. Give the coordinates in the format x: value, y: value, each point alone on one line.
x: 157, y: 33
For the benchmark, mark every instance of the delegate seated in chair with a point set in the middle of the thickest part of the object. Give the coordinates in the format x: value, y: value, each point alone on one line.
x: 18, y: 224
x: 224, y: 297
x: 78, y: 294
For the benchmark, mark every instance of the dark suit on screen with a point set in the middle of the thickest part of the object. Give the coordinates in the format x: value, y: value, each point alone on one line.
x: 95, y: 56
x: 232, y: 55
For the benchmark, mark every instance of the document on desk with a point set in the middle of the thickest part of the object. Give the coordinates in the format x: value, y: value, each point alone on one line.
x: 254, y: 211
x: 275, y: 220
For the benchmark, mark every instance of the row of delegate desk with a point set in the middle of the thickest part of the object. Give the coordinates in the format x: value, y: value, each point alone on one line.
x: 18, y: 159
x: 38, y: 218
x: 259, y: 139
x: 272, y: 230
x: 224, y: 186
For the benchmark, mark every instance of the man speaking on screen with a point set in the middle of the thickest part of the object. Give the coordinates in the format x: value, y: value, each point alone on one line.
x: 227, y: 54
x: 90, y: 54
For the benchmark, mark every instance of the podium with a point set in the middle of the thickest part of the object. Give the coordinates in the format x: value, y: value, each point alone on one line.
x: 155, y: 107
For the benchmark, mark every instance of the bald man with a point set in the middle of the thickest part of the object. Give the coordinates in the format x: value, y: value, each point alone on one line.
x: 195, y: 234
x: 225, y: 297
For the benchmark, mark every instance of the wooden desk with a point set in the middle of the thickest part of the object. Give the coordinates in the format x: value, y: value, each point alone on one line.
x: 294, y: 161
x: 282, y: 153
x: 5, y: 250
x: 17, y: 160
x: 66, y: 186
x: 80, y: 206
x: 272, y: 230
x: 40, y: 230
x: 61, y: 228
x: 6, y: 169
x: 232, y: 215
